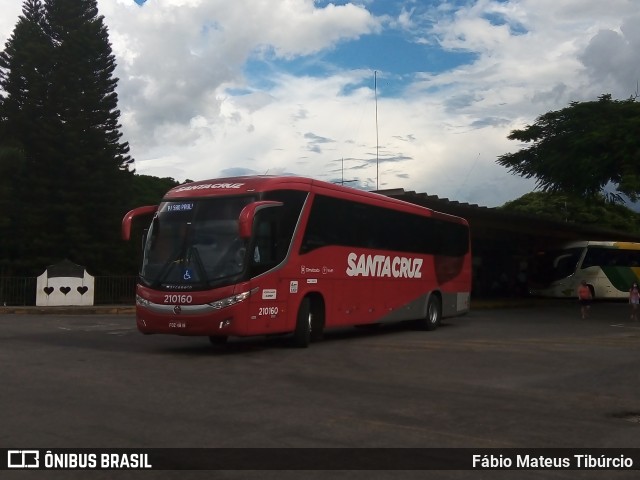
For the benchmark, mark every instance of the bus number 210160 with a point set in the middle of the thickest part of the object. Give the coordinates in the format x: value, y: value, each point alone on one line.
x: 179, y: 299
x: 268, y: 311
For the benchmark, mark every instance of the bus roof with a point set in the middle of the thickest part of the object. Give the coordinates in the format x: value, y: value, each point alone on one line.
x: 262, y: 183
x: 612, y: 244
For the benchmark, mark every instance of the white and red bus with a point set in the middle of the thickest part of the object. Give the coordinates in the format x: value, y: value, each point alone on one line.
x: 268, y: 255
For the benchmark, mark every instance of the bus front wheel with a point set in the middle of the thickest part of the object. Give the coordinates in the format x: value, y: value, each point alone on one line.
x: 304, y: 324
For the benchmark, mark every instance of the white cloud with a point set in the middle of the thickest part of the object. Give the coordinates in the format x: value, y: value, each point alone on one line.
x: 10, y: 12
x: 191, y: 110
x: 177, y: 56
x: 613, y: 58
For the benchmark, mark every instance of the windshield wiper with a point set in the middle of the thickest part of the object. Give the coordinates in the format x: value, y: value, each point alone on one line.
x: 195, y: 255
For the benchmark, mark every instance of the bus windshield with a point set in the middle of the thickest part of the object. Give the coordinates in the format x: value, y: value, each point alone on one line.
x: 555, y: 265
x: 195, y: 244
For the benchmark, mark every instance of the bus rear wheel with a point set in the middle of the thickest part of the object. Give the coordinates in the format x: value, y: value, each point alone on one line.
x: 434, y: 314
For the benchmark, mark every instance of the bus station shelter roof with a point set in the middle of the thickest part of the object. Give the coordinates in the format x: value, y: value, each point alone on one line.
x: 489, y: 223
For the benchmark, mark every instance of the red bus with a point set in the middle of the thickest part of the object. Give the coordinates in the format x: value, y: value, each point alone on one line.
x: 268, y: 255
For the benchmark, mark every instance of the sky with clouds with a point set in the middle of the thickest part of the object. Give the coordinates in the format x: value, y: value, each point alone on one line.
x: 378, y: 94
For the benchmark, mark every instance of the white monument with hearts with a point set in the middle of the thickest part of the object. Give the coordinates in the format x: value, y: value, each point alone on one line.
x: 65, y: 284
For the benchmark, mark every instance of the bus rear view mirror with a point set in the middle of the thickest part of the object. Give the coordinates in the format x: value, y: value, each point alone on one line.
x: 248, y: 213
x: 130, y: 216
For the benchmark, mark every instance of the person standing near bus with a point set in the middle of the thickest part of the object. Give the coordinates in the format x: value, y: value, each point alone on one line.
x: 634, y: 300
x: 584, y: 297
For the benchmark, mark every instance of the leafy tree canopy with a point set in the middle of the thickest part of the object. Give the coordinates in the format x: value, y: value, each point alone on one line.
x: 580, y: 149
x: 595, y: 211
x: 149, y: 190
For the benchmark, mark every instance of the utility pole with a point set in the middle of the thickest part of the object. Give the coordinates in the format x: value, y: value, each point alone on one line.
x: 375, y: 91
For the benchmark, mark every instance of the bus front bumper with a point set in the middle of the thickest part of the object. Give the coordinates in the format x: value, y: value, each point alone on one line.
x: 207, y: 319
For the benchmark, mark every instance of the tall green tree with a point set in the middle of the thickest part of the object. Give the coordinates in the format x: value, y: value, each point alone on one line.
x: 76, y: 180
x: 89, y: 158
x: 25, y: 65
x: 580, y: 149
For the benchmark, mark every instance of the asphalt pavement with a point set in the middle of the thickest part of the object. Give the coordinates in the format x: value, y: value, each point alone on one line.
x: 521, y: 377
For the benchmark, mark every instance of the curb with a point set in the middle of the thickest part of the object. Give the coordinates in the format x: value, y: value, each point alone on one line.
x: 70, y: 310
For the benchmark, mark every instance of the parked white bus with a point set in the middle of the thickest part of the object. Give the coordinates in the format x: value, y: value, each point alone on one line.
x: 609, y: 268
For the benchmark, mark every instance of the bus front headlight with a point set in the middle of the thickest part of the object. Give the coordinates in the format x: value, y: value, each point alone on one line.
x: 233, y: 299
x: 142, y: 302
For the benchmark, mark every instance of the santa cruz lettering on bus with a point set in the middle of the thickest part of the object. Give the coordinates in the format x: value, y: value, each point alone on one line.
x: 206, y: 186
x: 383, y: 266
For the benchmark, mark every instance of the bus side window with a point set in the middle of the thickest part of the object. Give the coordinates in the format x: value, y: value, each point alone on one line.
x: 318, y: 227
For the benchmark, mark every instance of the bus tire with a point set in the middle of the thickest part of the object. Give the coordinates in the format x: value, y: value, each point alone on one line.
x: 218, y: 339
x: 304, y: 321
x: 434, y: 314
